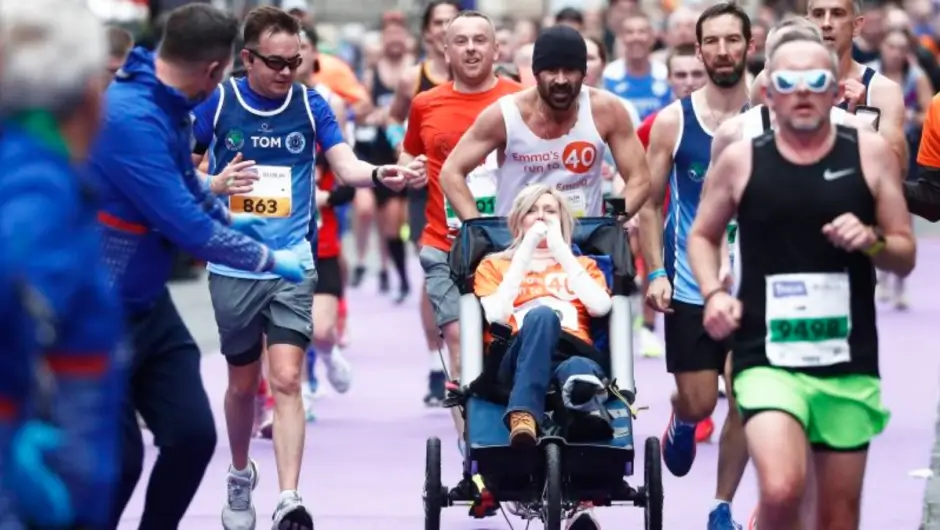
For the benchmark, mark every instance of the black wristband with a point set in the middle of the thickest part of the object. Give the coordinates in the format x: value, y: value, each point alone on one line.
x: 375, y: 177
x: 711, y: 294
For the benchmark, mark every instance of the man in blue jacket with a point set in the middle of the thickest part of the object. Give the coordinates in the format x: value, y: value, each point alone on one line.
x: 153, y: 202
x: 62, y: 379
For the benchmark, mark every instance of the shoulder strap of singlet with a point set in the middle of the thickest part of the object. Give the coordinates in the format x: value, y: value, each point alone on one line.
x: 765, y: 117
x: 868, y: 75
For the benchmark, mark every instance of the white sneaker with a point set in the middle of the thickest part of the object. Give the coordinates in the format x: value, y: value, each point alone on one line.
x: 291, y: 514
x: 338, y: 370
x: 239, y: 512
x: 308, y: 398
x: 650, y: 345
x: 722, y: 391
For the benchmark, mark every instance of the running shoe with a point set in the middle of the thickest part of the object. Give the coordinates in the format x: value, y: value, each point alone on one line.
x: 238, y: 513
x: 338, y: 370
x: 583, y: 518
x: 704, y: 431
x: 437, y: 389
x: 308, y: 398
x: 720, y: 518
x: 678, y: 447
x: 650, y: 345
x: 900, y: 301
x: 402, y: 295
x: 357, y: 276
x: 291, y: 514
x: 384, y: 284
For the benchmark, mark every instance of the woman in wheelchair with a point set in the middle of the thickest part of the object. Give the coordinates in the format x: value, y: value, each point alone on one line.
x: 547, y: 295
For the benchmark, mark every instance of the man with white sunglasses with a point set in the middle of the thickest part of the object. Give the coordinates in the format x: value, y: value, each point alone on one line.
x: 753, y: 123
x: 807, y: 196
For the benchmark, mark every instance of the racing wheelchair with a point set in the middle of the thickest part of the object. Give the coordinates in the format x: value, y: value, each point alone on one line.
x: 559, y: 473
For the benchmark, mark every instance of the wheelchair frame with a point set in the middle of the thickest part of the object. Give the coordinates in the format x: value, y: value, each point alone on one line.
x: 555, y: 475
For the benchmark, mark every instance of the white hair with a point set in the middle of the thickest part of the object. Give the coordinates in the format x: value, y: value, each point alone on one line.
x: 49, y: 51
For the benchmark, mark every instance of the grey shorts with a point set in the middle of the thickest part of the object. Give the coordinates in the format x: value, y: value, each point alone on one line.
x: 442, y: 291
x: 246, y: 309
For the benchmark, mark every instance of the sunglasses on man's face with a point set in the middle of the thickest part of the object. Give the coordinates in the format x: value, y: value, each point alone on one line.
x: 278, y: 63
x: 789, y: 81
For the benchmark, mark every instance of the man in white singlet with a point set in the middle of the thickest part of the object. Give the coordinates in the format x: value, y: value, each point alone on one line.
x: 555, y: 133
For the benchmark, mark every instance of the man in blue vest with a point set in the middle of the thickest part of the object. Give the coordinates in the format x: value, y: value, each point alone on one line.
x: 153, y: 202
x: 61, y: 385
x: 270, y: 119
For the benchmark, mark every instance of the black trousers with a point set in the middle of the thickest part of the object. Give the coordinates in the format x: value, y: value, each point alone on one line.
x: 166, y: 388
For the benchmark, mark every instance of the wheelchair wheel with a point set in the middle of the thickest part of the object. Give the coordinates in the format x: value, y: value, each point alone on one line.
x: 433, y: 489
x: 653, y: 489
x: 551, y: 498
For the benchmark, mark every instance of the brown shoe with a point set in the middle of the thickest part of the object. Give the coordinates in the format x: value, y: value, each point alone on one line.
x: 522, y: 429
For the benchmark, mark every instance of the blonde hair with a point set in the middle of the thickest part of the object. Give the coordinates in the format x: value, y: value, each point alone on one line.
x: 524, y: 202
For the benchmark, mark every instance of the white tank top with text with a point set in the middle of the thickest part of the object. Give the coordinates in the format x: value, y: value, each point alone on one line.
x: 571, y: 163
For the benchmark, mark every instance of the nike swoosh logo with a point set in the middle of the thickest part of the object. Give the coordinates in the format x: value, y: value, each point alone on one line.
x: 833, y: 175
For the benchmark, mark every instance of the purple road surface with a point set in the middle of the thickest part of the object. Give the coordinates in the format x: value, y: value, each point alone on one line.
x: 364, y: 462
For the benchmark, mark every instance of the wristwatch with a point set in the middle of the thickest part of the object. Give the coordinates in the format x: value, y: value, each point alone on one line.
x: 375, y: 176
x: 879, y: 245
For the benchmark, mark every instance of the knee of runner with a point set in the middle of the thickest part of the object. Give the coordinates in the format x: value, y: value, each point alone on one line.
x: 284, y: 378
x: 781, y: 490
x: 697, y: 404
x: 324, y: 334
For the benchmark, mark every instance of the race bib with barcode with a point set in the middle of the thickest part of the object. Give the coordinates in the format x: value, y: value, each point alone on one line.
x: 808, y: 320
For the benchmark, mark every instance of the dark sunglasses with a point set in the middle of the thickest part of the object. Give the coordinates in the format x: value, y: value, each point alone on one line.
x: 277, y: 63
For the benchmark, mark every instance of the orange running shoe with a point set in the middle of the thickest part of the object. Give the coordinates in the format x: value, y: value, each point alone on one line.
x: 704, y: 431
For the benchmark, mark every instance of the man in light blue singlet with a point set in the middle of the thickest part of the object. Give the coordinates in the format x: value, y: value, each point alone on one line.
x: 270, y: 119
x: 680, y: 152
x: 636, y: 78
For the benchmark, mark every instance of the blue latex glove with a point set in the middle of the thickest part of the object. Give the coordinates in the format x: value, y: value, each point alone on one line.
x: 41, y: 495
x: 248, y: 224
x: 287, y: 265
x: 394, y: 134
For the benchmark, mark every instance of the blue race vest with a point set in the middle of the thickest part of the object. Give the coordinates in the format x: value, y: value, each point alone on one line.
x: 691, y: 160
x: 282, y: 142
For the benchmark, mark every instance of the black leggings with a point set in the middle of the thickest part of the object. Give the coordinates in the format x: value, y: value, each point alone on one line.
x: 166, y: 387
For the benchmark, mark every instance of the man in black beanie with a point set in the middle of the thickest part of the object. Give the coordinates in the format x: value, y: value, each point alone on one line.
x: 556, y: 134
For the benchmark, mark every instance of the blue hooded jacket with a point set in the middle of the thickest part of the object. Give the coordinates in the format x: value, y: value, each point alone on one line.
x: 152, y: 199
x: 50, y: 274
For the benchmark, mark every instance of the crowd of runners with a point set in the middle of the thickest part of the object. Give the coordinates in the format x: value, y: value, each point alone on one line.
x: 764, y: 164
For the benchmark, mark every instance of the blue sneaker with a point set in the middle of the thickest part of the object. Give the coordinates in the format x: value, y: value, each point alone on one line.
x: 678, y: 447
x: 720, y: 518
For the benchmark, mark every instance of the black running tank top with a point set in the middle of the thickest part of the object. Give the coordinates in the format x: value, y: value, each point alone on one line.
x: 425, y: 82
x: 807, y: 306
